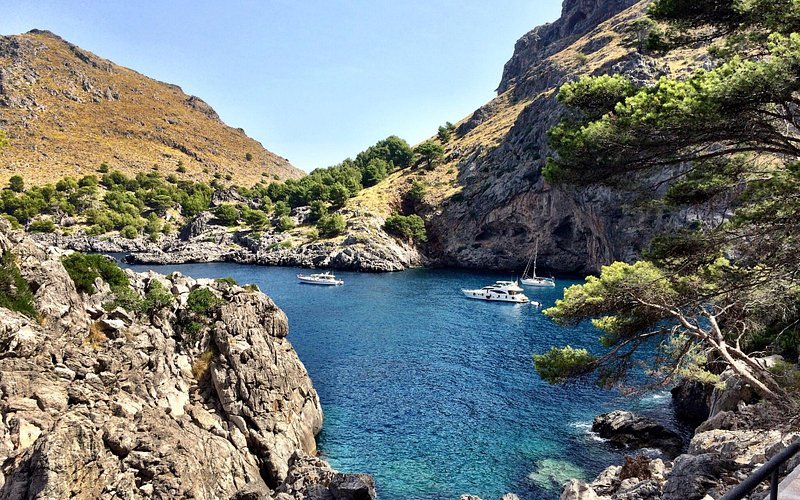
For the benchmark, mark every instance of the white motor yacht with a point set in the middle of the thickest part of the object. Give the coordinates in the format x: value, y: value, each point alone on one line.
x: 501, y: 291
x: 325, y: 278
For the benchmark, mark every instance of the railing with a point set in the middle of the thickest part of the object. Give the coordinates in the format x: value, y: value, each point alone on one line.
x: 768, y: 470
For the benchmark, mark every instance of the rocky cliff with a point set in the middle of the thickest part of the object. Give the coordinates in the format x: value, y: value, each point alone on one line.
x: 67, y: 111
x: 178, y: 397
x: 487, y: 203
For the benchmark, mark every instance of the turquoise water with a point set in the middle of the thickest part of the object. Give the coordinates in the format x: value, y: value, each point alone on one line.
x: 435, y: 394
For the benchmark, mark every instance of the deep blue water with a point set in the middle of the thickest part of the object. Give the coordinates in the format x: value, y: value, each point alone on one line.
x: 435, y: 394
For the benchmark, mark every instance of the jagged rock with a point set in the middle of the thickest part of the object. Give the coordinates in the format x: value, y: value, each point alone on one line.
x: 692, y: 476
x: 311, y: 478
x: 735, y: 391
x: 87, y: 416
x: 509, y: 496
x: 578, y: 490
x: 633, y: 431
x: 691, y: 400
x: 196, y: 227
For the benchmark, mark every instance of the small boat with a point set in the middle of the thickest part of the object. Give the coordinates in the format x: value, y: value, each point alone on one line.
x: 325, y: 278
x: 501, y: 291
x: 534, y: 280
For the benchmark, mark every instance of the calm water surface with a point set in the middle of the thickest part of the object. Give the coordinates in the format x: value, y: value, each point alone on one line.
x: 435, y: 394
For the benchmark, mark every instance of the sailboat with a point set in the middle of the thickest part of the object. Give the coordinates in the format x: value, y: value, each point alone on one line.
x: 534, y: 280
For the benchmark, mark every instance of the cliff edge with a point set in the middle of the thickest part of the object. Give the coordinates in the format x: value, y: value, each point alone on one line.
x: 142, y: 385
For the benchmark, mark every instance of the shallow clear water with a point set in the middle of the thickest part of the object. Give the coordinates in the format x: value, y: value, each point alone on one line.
x: 435, y: 394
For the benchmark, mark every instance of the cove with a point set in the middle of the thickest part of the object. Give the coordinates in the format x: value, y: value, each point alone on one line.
x: 435, y: 394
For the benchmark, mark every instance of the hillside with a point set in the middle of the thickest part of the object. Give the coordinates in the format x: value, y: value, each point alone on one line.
x: 67, y: 111
x: 486, y: 202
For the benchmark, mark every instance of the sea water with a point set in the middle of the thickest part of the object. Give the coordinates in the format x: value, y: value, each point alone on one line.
x: 435, y: 394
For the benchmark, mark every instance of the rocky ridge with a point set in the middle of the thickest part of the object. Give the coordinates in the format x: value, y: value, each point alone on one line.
x: 100, y: 403
x: 365, y: 246
x: 67, y: 110
x: 488, y: 203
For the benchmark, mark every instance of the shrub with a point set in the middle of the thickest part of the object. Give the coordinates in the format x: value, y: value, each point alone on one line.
x: 104, y: 168
x: 331, y: 225
x: 16, y: 184
x: 181, y: 169
x: 248, y: 156
x: 83, y: 269
x: 42, y: 226
x: 127, y: 298
x: 417, y: 192
x: 227, y: 281
x: 157, y: 297
x: 285, y: 223
x: 407, y: 227
x: 130, y: 232
x: 227, y: 214
x: 202, y: 363
x: 202, y: 301
x: 15, y: 293
x: 191, y: 332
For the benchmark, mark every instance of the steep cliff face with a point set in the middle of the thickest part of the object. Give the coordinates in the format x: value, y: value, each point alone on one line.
x: 100, y: 403
x: 488, y: 203
x: 66, y: 111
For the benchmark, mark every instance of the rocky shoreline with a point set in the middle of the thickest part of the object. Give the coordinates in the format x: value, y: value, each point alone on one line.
x: 737, y: 435
x: 168, y: 400
x: 366, y: 247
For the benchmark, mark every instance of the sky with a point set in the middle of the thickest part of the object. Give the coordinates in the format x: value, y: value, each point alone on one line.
x: 314, y: 81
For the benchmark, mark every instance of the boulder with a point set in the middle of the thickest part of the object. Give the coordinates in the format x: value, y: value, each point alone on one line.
x: 692, y: 401
x: 628, y: 430
x: 578, y: 490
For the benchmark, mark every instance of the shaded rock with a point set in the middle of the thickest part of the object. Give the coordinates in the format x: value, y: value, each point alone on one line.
x: 692, y: 476
x: 633, y: 431
x: 692, y: 401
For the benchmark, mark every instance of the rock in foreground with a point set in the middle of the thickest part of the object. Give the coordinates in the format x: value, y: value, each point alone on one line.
x: 193, y: 393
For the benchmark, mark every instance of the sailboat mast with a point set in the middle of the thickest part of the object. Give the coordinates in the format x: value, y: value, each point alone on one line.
x: 535, y: 257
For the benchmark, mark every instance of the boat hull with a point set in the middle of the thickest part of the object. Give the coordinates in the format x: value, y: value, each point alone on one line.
x: 311, y: 281
x: 480, y: 295
x: 538, y: 283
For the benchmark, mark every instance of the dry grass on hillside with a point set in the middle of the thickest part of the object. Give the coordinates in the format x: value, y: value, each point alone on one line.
x: 66, y: 111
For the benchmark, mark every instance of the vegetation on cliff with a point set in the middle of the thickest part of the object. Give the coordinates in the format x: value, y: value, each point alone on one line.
x: 727, y: 289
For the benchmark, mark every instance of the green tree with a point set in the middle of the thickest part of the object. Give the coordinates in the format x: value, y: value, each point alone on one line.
x: 331, y: 225
x: 16, y: 184
x: 375, y: 171
x: 714, y: 290
x: 407, y: 227
x: 227, y: 214
x: 429, y: 153
x: 417, y: 192
x: 319, y: 209
x: 445, y: 132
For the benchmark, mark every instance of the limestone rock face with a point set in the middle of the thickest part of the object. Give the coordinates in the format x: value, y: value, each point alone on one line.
x: 100, y: 403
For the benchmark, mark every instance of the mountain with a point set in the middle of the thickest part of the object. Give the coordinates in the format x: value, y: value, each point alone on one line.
x: 67, y: 111
x: 487, y: 202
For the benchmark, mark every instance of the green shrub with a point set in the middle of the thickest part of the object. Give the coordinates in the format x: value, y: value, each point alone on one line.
x: 227, y: 214
x: 127, y: 298
x: 157, y: 297
x: 285, y: 223
x: 202, y: 301
x: 248, y: 156
x: 42, y: 226
x: 104, y: 168
x: 417, y: 192
x: 15, y: 293
x: 407, y: 227
x: 85, y: 268
x: 331, y: 225
x: 191, y: 332
x: 227, y: 281
x: 16, y: 184
x: 130, y: 232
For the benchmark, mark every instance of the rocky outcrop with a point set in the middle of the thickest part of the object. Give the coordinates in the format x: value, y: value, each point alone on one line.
x: 365, y: 247
x: 691, y: 400
x: 724, y: 451
x: 628, y: 430
x: 99, y: 402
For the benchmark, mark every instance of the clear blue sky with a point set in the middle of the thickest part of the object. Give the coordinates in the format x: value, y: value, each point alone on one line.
x: 314, y: 81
